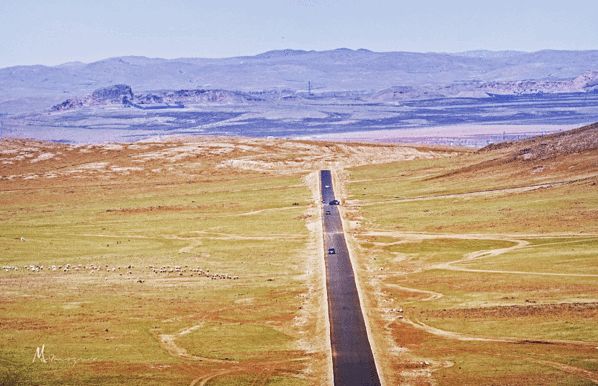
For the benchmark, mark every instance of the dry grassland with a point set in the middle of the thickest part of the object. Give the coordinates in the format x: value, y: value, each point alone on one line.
x: 180, y: 261
x: 482, y: 268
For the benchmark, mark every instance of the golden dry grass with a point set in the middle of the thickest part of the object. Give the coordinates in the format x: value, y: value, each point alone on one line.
x: 481, y: 269
x: 183, y: 261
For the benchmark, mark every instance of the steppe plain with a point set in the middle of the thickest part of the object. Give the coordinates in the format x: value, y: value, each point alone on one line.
x: 481, y: 268
x: 199, y: 261
x: 186, y: 261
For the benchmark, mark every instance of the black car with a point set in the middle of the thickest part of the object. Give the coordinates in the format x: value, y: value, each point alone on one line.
x: 331, y: 251
x: 328, y: 212
x: 334, y: 202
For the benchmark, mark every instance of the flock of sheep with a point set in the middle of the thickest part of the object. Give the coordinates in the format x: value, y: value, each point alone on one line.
x: 91, y: 268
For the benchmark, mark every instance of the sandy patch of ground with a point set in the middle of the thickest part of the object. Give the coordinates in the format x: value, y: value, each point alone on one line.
x: 43, y: 157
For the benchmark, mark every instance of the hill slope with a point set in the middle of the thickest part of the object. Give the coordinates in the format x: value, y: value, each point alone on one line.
x: 550, y: 146
x: 563, y: 154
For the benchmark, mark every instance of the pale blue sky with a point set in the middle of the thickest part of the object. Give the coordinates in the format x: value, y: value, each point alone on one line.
x: 58, y: 31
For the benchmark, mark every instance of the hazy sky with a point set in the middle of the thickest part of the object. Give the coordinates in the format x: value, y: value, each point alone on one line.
x: 58, y: 31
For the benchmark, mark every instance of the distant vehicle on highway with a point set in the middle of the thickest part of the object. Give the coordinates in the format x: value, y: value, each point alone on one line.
x: 331, y: 251
x: 326, y: 186
x: 327, y: 212
x: 334, y: 202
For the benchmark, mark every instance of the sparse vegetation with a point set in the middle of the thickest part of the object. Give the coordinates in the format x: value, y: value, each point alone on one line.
x: 186, y: 260
x: 107, y: 268
x: 482, y: 266
x: 198, y: 261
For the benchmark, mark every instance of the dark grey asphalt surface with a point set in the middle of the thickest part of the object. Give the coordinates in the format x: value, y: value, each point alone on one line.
x: 352, y: 360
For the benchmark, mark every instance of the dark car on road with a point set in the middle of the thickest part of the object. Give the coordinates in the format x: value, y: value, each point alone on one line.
x: 334, y: 202
x: 331, y: 251
x: 328, y: 212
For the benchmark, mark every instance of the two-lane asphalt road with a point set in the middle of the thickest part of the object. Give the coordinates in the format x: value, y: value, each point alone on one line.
x: 352, y: 360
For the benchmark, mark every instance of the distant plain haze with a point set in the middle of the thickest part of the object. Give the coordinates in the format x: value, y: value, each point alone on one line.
x: 55, y: 32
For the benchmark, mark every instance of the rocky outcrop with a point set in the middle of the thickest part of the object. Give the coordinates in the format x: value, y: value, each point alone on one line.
x: 586, y: 82
x: 118, y: 94
x: 68, y: 104
x: 203, y: 96
x: 148, y: 99
x: 122, y: 95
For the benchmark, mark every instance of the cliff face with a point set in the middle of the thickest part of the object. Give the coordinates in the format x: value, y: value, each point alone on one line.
x: 118, y: 94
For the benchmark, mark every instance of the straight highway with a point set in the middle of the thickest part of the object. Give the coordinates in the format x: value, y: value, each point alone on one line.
x: 352, y: 359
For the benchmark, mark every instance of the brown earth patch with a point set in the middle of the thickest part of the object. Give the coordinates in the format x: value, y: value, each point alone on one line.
x: 579, y: 310
x: 25, y: 324
x: 406, y: 335
x: 499, y: 282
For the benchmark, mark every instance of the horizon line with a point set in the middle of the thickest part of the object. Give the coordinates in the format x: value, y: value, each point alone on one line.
x: 298, y: 50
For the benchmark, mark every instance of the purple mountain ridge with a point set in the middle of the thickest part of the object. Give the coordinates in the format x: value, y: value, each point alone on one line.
x: 334, y: 70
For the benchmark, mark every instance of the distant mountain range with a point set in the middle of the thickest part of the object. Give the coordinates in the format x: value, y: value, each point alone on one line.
x: 298, y: 93
x: 383, y: 75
